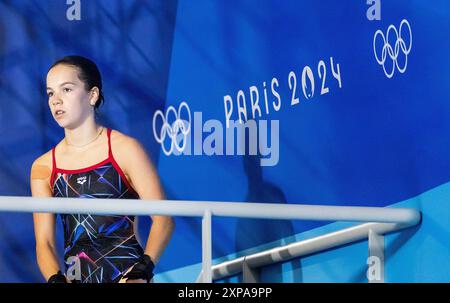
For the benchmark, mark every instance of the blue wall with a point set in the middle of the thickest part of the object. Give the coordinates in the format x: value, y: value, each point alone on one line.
x: 370, y: 140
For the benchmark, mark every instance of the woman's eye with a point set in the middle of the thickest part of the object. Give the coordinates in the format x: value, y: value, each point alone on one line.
x: 66, y: 89
x: 49, y: 94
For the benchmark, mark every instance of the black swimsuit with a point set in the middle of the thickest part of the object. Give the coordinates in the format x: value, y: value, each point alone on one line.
x: 98, y: 249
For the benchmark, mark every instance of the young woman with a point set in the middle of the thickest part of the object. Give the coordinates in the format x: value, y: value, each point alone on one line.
x: 93, y: 162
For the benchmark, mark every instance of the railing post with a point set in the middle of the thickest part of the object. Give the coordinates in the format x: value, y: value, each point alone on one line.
x: 249, y: 274
x: 206, y: 275
x: 375, y: 272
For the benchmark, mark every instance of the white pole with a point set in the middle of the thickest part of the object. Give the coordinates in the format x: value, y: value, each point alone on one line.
x: 196, y: 209
x: 206, y: 248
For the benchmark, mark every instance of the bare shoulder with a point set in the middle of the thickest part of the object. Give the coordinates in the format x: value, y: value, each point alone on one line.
x: 122, y: 142
x: 42, y: 167
x: 126, y: 148
x: 137, y: 166
x: 43, y: 160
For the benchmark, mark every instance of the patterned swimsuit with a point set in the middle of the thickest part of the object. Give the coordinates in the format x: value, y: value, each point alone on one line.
x: 98, y: 249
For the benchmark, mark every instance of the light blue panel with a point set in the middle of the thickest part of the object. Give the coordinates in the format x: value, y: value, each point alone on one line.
x: 417, y: 254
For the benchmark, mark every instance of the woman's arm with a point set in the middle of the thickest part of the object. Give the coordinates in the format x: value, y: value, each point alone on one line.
x: 136, y: 164
x: 44, y: 223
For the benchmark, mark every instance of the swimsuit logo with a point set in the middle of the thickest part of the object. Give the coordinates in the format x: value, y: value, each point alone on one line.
x: 173, y: 130
x: 393, y: 51
x: 81, y: 180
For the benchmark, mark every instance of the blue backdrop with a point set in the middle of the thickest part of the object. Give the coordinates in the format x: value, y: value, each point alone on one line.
x: 356, y: 136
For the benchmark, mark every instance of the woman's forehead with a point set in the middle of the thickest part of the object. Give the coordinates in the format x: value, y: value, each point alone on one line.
x: 62, y: 73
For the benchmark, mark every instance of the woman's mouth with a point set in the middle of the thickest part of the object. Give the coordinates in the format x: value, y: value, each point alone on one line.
x: 59, y: 113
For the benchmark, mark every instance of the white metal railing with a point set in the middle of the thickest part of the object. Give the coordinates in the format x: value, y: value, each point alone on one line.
x: 306, y: 247
x: 388, y: 220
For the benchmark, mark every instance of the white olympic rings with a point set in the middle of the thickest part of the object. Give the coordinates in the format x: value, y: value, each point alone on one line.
x: 172, y: 130
x: 393, y: 52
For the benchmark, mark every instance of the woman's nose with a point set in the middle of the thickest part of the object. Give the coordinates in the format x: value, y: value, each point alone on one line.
x: 56, y: 100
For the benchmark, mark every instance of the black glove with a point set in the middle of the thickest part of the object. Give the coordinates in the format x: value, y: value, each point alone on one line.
x: 142, y: 270
x: 57, y: 278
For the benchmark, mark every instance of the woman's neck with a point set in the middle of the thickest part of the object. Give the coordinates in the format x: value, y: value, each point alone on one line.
x: 83, y: 135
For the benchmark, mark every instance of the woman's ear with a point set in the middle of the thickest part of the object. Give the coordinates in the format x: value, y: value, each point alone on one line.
x: 94, y: 95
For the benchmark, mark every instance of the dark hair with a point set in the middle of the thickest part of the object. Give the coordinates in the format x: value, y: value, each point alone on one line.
x: 88, y: 73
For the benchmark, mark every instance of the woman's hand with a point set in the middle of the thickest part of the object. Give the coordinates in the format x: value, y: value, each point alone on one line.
x: 142, y: 272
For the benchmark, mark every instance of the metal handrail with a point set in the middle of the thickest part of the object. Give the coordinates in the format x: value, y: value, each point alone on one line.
x: 304, y: 248
x: 398, y: 217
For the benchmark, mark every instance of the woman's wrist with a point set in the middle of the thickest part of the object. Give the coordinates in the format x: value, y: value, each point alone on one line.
x: 142, y: 270
x: 148, y: 261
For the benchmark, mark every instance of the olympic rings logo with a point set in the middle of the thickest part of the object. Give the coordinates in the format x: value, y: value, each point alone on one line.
x: 172, y: 131
x: 393, y: 52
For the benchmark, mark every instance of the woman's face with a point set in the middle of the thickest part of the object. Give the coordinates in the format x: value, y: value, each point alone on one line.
x: 68, y: 99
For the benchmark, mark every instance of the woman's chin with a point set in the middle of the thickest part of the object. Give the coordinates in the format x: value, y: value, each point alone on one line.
x: 63, y: 123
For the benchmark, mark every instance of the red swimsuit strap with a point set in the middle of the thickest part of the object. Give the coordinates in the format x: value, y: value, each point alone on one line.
x: 52, y: 177
x: 108, y: 131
